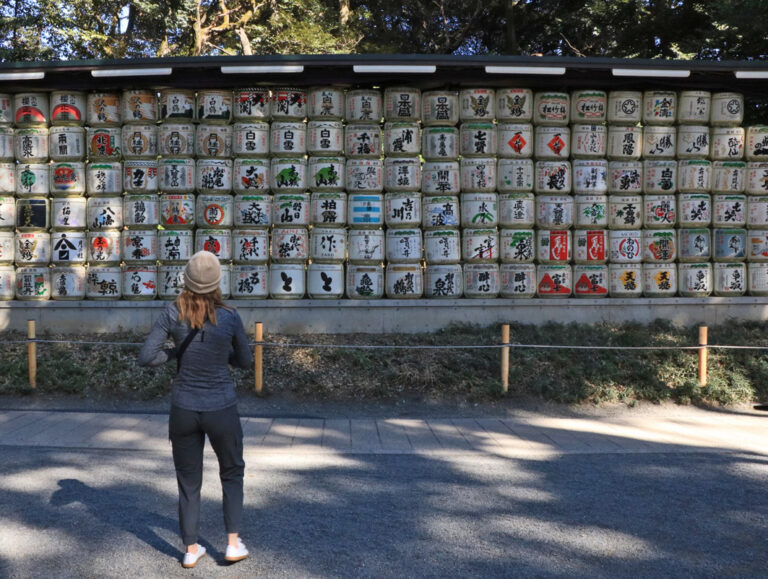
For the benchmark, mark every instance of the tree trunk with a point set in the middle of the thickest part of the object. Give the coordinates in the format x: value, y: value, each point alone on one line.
x: 343, y: 12
x: 511, y: 45
x: 244, y: 41
x: 197, y: 28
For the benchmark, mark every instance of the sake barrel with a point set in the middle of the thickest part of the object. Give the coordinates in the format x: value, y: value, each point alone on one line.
x: 403, y: 245
x: 33, y: 283
x: 478, y: 174
x: 288, y: 174
x: 177, y: 211
x: 170, y: 281
x: 250, y: 281
x: 326, y: 102
x: 554, y: 281
x: 443, y: 281
x: 365, y: 282
x: 757, y: 212
x: 659, y: 177
x: 694, y: 245
x: 727, y: 143
x: 402, y: 174
x: 478, y: 245
x: 477, y: 104
x: 103, y: 109
x: 327, y: 173
x: 730, y: 279
x: 250, y: 246
x: 625, y: 143
x: 33, y: 248
x: 289, y: 139
x: 67, y: 107
x: 625, y: 280
x: 6, y: 109
x: 140, y: 176
x: 288, y: 104
x: 140, y: 282
x: 8, y: 178
x: 588, y: 106
x: 757, y: 245
x: 103, y: 143
x: 7, y: 282
x: 214, y: 211
x: 213, y: 141
x: 32, y: 179
x: 590, y: 281
x: 215, y: 241
x: 175, y: 245
x: 588, y: 141
x: 659, y: 211
x: 402, y: 104
x: 67, y: 178
x: 517, y: 246
x: 551, y: 143
x: 362, y: 141
x: 140, y: 246
x: 64, y: 143
x: 365, y: 210
x: 757, y: 277
x: 515, y: 140
x: 104, y: 247
x: 730, y: 244
x: 554, y: 246
x: 693, y: 107
x: 440, y: 212
x: 68, y: 247
x: 442, y: 178
x: 104, y: 282
x: 289, y: 244
x: 291, y: 209
x: 625, y: 246
x: 252, y: 104
x: 692, y: 142
x: 727, y: 109
x: 329, y: 209
x: 8, y: 212
x: 757, y: 178
x: 659, y: 107
x: 325, y: 281
x: 439, y: 108
x: 7, y: 152
x: 659, y: 142
x: 104, y: 213
x: 479, y: 210
x: 591, y: 211
x: 659, y: 280
x: 139, y: 106
x: 554, y: 211
x: 517, y: 280
x: 440, y: 143
x: 590, y: 246
x: 32, y: 214
x: 481, y: 280
x: 551, y: 108
x: 214, y: 176
x: 402, y: 138
x: 141, y: 211
x: 214, y: 106
x: 553, y: 177
x: 695, y: 280
x: 404, y: 281
x: 402, y: 209
x: 729, y: 176
x: 442, y: 246
x: 32, y: 109
x: 366, y: 246
x: 514, y: 104
x: 139, y: 141
x: 328, y: 245
x: 478, y: 139
x: 363, y: 106
x: 177, y: 104
x: 625, y: 177
x: 287, y: 281
x: 250, y: 176
x: 757, y: 143
x: 625, y: 107
x: 176, y: 175
x: 31, y: 145
x: 103, y: 178
x: 694, y: 209
x: 729, y: 210
x: 659, y: 245
x: 589, y: 176
x: 7, y: 247
x: 517, y: 210
x: 176, y: 139
x: 625, y: 212
x: 250, y: 139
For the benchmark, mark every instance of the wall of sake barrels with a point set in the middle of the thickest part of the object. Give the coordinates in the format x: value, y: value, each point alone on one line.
x: 398, y: 193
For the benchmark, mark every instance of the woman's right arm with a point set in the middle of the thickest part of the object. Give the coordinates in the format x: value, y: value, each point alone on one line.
x: 154, y: 352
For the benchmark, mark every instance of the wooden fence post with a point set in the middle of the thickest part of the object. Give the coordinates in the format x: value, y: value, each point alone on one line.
x: 32, y: 353
x: 703, y: 355
x: 505, y: 359
x: 257, y: 360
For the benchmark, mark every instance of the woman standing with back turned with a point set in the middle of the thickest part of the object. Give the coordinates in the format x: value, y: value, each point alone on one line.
x: 208, y: 336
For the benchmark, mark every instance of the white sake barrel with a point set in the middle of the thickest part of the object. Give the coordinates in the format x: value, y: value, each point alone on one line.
x: 514, y: 104
x: 140, y: 282
x: 553, y: 177
x: 694, y: 245
x: 659, y: 245
x: 104, y: 213
x: 659, y: 177
x: 139, y: 141
x: 176, y: 175
x: 328, y: 245
x: 517, y: 210
x: 625, y: 211
x: 551, y: 108
x: 365, y: 211
x: 730, y: 244
x: 694, y: 209
x: 7, y: 282
x: 364, y: 176
x: 31, y: 145
x: 402, y: 104
x: 625, y: 107
x: 33, y: 283
x: 481, y: 280
x: 660, y: 211
x: 327, y: 173
x: 590, y: 246
x: 402, y: 209
x: 250, y: 139
x: 7, y: 152
x: 177, y: 211
x: 213, y: 176
x: 402, y: 138
x: 442, y: 246
x: 67, y: 107
x: 695, y: 280
x: 31, y: 109
x: 104, y: 247
x: 757, y: 245
x: 288, y: 174
x: 365, y: 282
x: 363, y: 106
x: 289, y: 139
x: 479, y: 139
x: 291, y: 209
x: 287, y: 281
x: 626, y: 246
x: 176, y: 139
x: 757, y: 179
x: 251, y: 104
x: 67, y: 178
x: 177, y: 104
x: 64, y: 143
x: 140, y: 176
x: 175, y: 245
x: 552, y: 143
x: 362, y: 141
x: 403, y: 174
x: 214, y: 141
x: 589, y: 176
x: 591, y: 211
x: 439, y: 108
x: 757, y: 143
x: 366, y: 246
x: 170, y: 281
x: 727, y: 109
x: 324, y: 138
x: 214, y: 211
x: 440, y: 212
x: 730, y: 279
x: 403, y: 245
x: 441, y: 178
x: 6, y: 109
x: 250, y: 246
x: 250, y: 281
x: 757, y: 212
x: 328, y: 209
x: 478, y: 245
x: 479, y: 210
x: 141, y: 211
x: 659, y: 107
x: 727, y: 143
x: 289, y: 244
x: 554, y: 246
x: 729, y: 210
x: 588, y: 106
x: 693, y: 142
x: 554, y: 211
x: 7, y: 247
x: 34, y: 179
x: 659, y: 142
x: 104, y: 282
x: 440, y: 143
x: 590, y: 281
x: 693, y: 107
x: 140, y: 246
x: 214, y: 106
x: 32, y: 214
x: 250, y: 176
x: 325, y: 281
x: 515, y: 141
x: 625, y: 143
x: 33, y: 248
x: 404, y: 281
x: 729, y: 176
x: 625, y: 280
x: 476, y: 104
x: 68, y: 247
x: 588, y: 141
x: 443, y: 281
x: 554, y: 281
x: 757, y: 275
x: 659, y: 280
x: 8, y: 178
x: 104, y: 178
x: 326, y: 102
x: 625, y: 177
x: 517, y: 245
x: 215, y: 241
x: 139, y: 106
x: 8, y: 212
x: 103, y: 109
x: 103, y: 143
x: 517, y: 280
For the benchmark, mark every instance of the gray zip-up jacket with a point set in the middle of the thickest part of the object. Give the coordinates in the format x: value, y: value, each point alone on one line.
x: 204, y: 382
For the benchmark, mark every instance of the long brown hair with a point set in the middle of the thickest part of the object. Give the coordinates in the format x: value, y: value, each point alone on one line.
x: 196, y: 308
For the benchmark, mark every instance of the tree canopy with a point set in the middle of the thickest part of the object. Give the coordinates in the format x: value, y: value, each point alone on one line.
x: 99, y: 29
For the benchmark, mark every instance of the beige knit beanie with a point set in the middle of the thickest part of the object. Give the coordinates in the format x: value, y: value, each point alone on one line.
x: 202, y: 273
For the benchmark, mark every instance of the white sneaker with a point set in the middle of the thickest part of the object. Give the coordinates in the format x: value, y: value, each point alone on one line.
x: 236, y: 553
x: 191, y: 559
